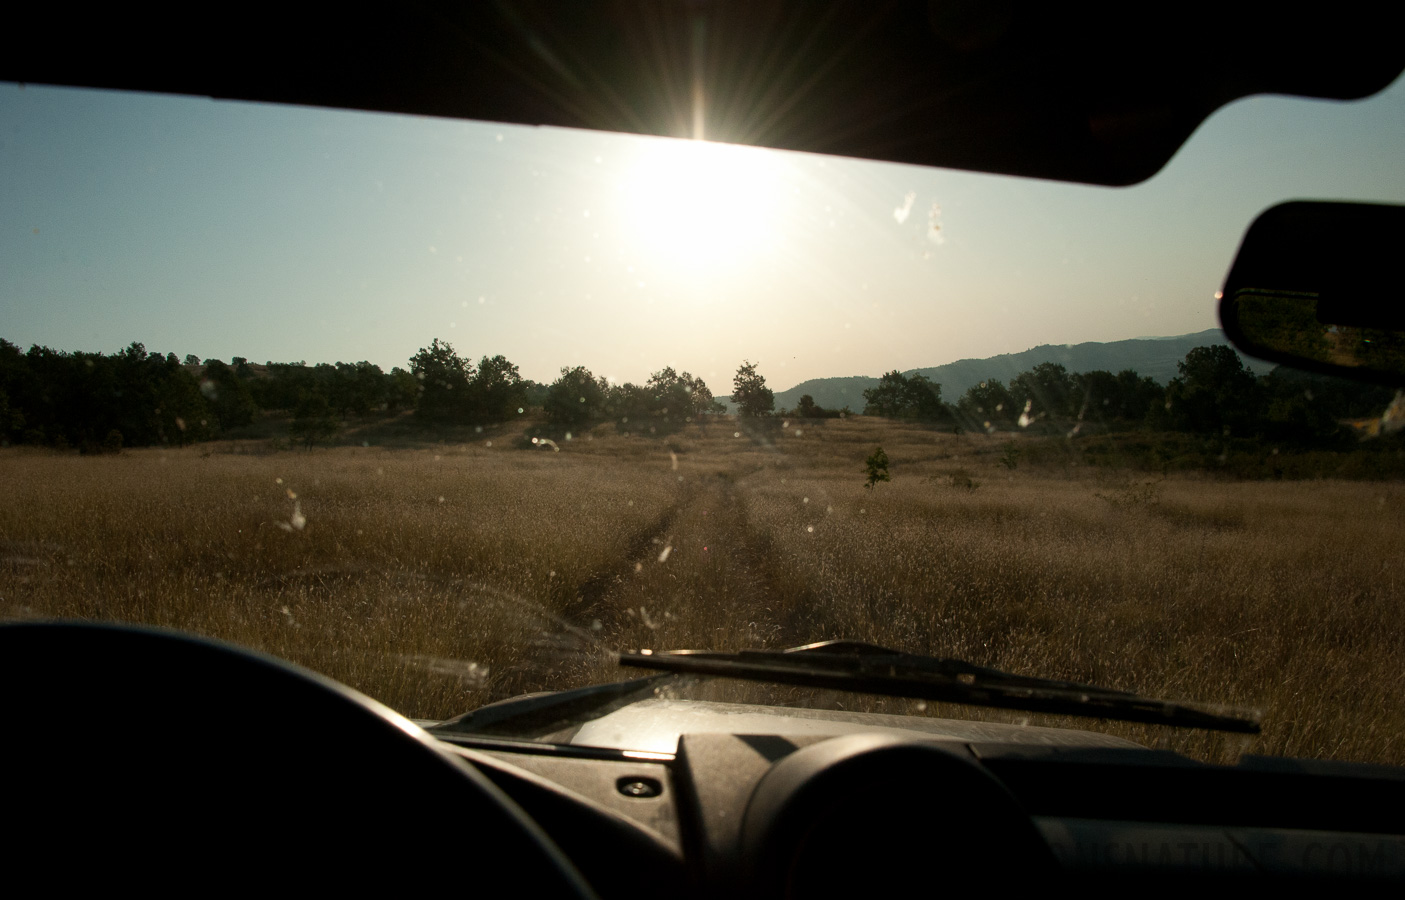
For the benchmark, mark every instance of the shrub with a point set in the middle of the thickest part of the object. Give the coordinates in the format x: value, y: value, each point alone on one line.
x: 877, y: 468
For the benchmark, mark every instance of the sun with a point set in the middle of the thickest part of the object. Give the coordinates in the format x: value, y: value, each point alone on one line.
x: 695, y: 203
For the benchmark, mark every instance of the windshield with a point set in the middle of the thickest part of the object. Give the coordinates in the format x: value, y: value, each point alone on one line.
x: 453, y: 412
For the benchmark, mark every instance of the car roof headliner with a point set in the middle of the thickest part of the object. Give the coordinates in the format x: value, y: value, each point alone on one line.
x: 1096, y: 93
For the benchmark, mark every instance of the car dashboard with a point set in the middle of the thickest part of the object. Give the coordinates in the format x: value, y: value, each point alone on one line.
x: 247, y: 771
x: 804, y: 815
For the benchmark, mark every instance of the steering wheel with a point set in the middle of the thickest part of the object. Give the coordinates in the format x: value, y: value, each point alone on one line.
x: 146, y: 756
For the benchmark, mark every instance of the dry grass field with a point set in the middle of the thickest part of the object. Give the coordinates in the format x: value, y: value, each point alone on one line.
x: 439, y: 577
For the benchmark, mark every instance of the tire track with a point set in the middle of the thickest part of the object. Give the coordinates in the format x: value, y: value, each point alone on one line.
x: 720, y: 586
x: 575, y: 641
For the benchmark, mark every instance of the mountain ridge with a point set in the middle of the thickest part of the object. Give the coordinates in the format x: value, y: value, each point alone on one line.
x: 1150, y: 356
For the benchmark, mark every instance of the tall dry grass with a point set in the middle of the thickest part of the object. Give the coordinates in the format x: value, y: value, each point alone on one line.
x: 438, y: 579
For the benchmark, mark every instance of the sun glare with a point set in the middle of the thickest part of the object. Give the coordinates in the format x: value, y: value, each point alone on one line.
x: 699, y: 203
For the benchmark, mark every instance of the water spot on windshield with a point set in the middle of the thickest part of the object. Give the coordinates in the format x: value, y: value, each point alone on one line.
x: 1026, y: 418
x: 468, y: 674
x: 934, y: 225
x: 902, y: 212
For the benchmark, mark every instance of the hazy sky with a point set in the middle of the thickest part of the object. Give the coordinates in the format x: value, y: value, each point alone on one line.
x: 228, y: 229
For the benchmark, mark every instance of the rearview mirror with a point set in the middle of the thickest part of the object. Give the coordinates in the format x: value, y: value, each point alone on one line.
x: 1317, y: 286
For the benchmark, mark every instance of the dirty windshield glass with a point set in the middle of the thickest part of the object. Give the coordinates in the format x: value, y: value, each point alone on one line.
x: 453, y: 412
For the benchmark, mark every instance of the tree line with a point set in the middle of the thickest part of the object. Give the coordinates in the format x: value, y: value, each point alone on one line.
x: 97, y: 402
x: 1214, y: 393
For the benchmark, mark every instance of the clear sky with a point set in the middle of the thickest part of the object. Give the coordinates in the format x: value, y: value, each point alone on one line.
x: 281, y: 233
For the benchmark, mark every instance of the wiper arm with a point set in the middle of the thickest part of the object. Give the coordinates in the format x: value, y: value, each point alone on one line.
x: 870, y: 669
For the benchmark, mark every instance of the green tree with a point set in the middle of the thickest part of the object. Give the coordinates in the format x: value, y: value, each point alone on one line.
x: 1048, y: 389
x: 353, y: 388
x: 898, y: 396
x: 671, y: 394
x: 443, y: 376
x: 534, y: 393
x: 662, y: 405
x: 16, y: 387
x: 497, y: 392
x: 575, y: 399
x: 876, y: 467
x: 1124, y: 398
x: 401, y: 390
x: 807, y: 408
x: 314, y: 420
x: 888, y: 397
x: 700, y: 395
x: 986, y: 405
x: 228, y: 396
x: 1214, y: 394
x: 11, y: 421
x: 284, y: 385
x: 1136, y: 396
x: 750, y: 394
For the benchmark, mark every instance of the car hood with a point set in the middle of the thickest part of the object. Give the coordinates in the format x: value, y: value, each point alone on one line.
x: 655, y: 725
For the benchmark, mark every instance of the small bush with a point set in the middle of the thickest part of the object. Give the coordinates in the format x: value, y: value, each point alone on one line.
x: 961, y: 478
x: 877, y: 468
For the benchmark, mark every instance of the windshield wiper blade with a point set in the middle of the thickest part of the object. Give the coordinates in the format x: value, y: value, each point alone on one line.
x: 870, y: 669
x: 536, y: 715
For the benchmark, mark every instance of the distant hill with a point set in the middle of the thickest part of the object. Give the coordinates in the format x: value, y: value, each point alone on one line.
x: 1156, y: 357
